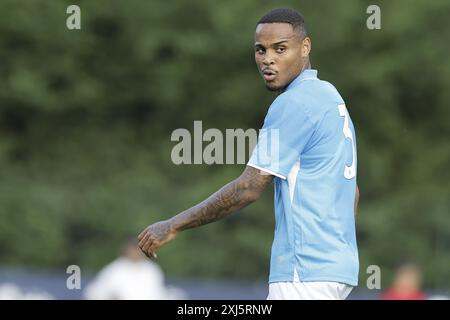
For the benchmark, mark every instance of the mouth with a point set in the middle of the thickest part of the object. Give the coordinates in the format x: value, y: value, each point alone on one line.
x: 269, y: 75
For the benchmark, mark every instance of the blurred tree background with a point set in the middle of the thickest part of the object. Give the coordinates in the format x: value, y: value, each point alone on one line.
x: 86, y: 118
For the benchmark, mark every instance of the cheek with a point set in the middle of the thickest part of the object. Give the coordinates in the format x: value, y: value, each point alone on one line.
x: 294, y: 57
x: 258, y: 59
x: 293, y: 62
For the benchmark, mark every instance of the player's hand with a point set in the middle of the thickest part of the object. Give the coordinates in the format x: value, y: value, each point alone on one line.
x: 154, y: 236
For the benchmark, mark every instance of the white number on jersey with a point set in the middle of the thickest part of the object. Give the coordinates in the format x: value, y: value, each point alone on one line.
x: 349, y: 172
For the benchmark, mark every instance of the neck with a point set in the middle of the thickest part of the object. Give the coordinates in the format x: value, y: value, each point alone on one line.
x: 307, y: 65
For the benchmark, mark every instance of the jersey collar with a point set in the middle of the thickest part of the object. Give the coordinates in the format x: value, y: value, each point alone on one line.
x: 307, y: 74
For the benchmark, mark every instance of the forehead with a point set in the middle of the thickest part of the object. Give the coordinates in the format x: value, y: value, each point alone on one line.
x: 273, y: 32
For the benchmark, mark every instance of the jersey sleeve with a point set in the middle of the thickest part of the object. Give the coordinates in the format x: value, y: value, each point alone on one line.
x: 283, y: 137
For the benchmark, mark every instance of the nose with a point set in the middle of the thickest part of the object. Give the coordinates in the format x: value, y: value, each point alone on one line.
x: 268, y: 59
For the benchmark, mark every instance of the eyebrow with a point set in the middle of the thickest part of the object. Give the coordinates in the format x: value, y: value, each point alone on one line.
x: 273, y: 44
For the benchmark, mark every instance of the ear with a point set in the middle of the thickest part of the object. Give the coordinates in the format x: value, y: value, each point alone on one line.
x: 306, y: 47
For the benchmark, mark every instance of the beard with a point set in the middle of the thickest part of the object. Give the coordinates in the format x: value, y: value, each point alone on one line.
x: 272, y: 87
x: 277, y: 89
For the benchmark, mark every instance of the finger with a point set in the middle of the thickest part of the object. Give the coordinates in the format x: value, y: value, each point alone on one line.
x: 144, y: 239
x: 144, y: 232
x: 147, y: 255
x: 147, y: 244
x: 152, y: 254
x: 153, y: 247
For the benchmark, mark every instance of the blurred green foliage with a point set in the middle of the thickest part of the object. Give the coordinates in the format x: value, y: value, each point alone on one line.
x: 86, y: 118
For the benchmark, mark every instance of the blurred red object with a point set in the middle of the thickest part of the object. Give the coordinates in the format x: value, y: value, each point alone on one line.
x: 406, y: 286
x: 393, y: 294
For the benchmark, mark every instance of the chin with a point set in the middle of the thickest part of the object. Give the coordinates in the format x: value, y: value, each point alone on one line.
x: 272, y: 87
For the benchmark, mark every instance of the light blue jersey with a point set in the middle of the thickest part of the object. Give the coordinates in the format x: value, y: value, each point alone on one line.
x: 308, y: 143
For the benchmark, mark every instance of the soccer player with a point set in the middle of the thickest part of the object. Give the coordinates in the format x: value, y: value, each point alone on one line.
x: 312, y: 162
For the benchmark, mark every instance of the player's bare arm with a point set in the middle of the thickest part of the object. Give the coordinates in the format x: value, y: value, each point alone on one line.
x: 234, y: 196
x: 356, y: 199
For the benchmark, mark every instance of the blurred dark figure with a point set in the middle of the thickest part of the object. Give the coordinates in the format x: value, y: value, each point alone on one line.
x: 406, y: 285
x: 130, y: 277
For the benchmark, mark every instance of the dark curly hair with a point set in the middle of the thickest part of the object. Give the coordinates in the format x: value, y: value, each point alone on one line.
x: 285, y: 15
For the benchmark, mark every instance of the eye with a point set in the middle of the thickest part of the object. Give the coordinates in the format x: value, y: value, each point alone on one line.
x: 281, y: 49
x: 260, y: 50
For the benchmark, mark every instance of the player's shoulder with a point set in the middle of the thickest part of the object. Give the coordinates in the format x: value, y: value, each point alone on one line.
x: 312, y: 97
x: 317, y: 90
x: 330, y: 89
x: 288, y: 103
x: 319, y: 95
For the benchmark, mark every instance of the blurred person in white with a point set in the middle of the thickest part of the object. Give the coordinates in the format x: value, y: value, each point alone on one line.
x: 129, y: 277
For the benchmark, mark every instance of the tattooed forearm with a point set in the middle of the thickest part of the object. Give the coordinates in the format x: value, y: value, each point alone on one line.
x: 229, y: 199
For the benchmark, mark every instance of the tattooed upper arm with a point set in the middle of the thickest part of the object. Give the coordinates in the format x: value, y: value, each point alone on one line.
x: 230, y: 198
x: 254, y: 181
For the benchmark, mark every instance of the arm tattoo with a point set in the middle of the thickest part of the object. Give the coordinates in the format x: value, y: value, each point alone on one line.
x: 229, y: 199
